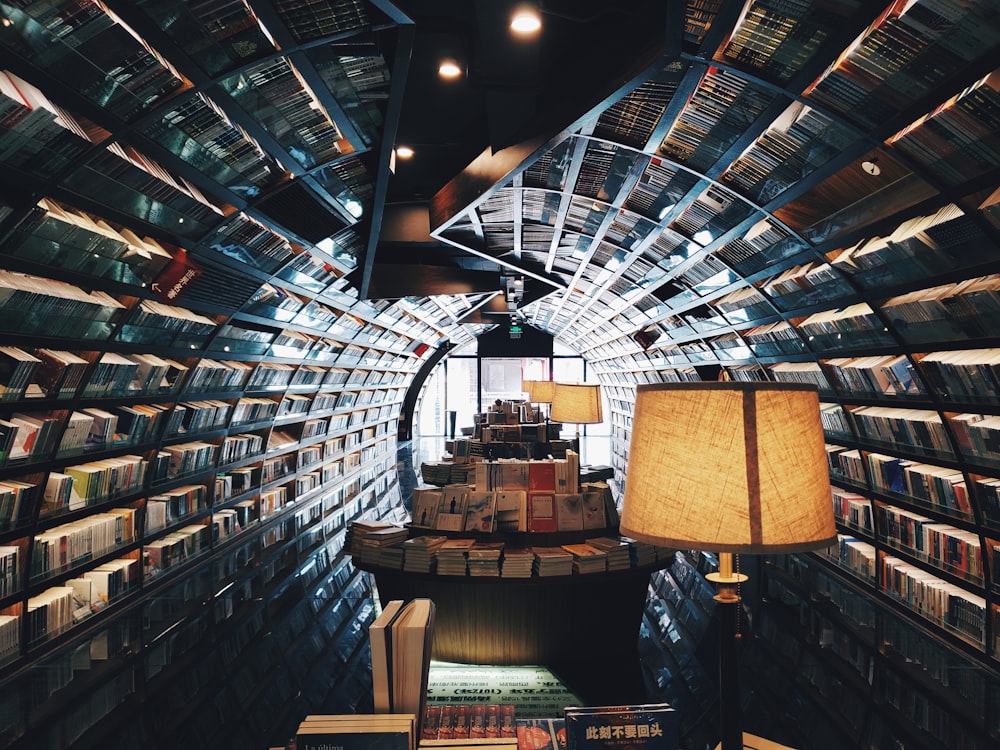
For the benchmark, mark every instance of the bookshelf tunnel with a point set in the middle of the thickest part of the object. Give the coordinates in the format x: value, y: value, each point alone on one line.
x: 202, y: 388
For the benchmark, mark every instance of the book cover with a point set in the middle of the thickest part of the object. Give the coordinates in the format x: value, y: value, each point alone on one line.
x: 542, y: 512
x: 541, y: 734
x: 541, y: 476
x: 569, y: 512
x: 432, y: 720
x: 446, y: 723
x: 512, y: 511
x: 451, y: 510
x: 514, y: 475
x: 647, y: 726
x: 592, y: 503
x: 461, y: 723
x: 477, y: 721
x: 425, y: 508
x: 508, y: 720
x: 480, y: 511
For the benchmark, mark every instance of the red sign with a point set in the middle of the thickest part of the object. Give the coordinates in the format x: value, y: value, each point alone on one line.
x: 174, y: 279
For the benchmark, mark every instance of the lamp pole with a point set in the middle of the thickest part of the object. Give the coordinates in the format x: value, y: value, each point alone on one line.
x: 728, y: 612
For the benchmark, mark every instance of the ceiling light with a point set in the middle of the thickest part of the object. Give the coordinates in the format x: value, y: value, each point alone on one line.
x: 526, y: 20
x: 354, y: 208
x: 404, y: 152
x: 449, y: 68
x: 871, y: 166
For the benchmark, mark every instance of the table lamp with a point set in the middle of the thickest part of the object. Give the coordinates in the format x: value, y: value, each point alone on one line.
x: 729, y: 468
x: 576, y: 403
x: 540, y: 391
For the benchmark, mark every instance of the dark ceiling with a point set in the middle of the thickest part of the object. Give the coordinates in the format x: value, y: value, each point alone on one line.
x: 514, y: 90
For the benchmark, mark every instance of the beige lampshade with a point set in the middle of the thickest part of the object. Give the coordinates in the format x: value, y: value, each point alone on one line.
x: 728, y: 467
x: 576, y: 403
x: 541, y: 391
x: 526, y: 386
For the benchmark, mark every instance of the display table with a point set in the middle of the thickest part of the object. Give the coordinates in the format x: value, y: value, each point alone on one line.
x: 584, y: 627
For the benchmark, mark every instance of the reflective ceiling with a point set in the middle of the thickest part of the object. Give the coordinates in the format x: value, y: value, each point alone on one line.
x: 650, y: 224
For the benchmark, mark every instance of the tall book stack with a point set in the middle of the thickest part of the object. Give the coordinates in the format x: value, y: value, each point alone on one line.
x: 401, y: 638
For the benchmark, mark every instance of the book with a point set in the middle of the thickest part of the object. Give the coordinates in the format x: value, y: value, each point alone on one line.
x: 541, y: 476
x: 412, y: 637
x: 649, y: 726
x: 425, y: 507
x: 16, y: 370
x: 541, y: 734
x: 451, y: 509
x: 34, y: 436
x: 592, y: 508
x: 60, y: 372
x: 381, y: 655
x: 511, y: 511
x: 74, y: 436
x: 569, y: 512
x: 587, y: 558
x: 542, y: 512
x: 483, y: 558
x: 480, y: 511
x: 357, y: 732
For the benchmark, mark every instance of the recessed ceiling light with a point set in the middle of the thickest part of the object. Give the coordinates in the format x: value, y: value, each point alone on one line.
x: 449, y: 68
x: 354, y: 208
x: 404, y: 152
x: 526, y: 20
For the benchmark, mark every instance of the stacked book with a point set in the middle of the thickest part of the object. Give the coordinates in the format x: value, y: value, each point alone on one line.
x: 642, y: 553
x: 517, y: 562
x: 484, y: 558
x: 451, y: 557
x: 552, y: 561
x: 463, y: 473
x: 616, y: 549
x: 389, y: 731
x: 390, y: 556
x: 587, y: 558
x: 368, y: 537
x: 420, y: 553
x: 436, y: 472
